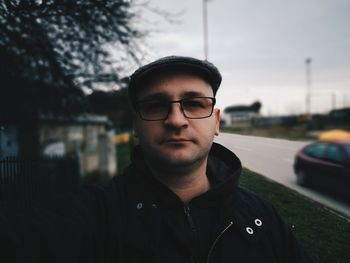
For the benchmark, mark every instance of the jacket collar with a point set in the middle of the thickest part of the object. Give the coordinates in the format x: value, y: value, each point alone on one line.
x: 223, y: 171
x: 240, y: 206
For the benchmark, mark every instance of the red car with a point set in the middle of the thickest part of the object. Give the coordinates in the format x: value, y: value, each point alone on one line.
x: 325, y: 164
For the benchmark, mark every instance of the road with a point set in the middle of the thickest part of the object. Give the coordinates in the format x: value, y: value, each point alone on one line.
x: 273, y: 158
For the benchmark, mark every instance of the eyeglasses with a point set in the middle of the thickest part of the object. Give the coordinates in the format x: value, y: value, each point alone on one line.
x: 192, y: 108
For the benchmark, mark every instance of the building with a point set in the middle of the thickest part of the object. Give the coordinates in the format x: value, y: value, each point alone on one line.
x: 85, y: 136
x: 241, y: 116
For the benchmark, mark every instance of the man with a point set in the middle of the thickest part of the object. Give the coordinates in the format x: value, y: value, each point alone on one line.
x: 179, y: 200
x: 187, y: 203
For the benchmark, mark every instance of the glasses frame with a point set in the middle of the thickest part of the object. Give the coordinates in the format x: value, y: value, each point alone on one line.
x: 213, y: 99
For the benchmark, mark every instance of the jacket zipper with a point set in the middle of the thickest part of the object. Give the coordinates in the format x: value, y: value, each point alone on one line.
x: 189, y: 219
x: 187, y: 211
x: 217, y: 239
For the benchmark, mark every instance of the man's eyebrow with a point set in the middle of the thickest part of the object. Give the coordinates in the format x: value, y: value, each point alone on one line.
x: 192, y: 94
x: 164, y: 96
x: 155, y: 96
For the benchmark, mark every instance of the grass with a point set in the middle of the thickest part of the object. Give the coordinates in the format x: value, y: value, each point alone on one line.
x: 123, y: 155
x: 325, y: 235
x: 123, y: 159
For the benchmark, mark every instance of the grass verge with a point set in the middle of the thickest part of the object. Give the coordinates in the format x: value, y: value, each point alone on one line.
x: 325, y: 235
x: 123, y: 156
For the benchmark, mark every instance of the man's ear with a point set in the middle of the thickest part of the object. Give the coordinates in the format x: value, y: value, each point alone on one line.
x: 217, y: 124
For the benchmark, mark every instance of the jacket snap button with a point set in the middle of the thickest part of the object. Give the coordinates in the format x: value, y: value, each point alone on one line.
x: 258, y: 222
x: 249, y: 230
x: 139, y: 206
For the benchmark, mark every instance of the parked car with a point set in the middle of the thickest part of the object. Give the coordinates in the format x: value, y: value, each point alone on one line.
x: 325, y: 164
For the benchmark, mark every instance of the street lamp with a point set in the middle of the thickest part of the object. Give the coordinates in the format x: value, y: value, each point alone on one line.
x: 334, y: 100
x: 205, y: 28
x: 308, y: 85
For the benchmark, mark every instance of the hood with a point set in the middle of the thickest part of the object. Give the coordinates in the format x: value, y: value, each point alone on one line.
x: 223, y: 171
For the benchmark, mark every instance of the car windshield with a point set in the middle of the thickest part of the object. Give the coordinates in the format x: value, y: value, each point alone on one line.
x: 316, y: 150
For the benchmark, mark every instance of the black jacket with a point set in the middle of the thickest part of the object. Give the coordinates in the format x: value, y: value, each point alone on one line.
x: 137, y: 219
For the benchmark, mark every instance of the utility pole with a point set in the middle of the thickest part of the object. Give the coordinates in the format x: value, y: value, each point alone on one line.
x: 205, y: 28
x: 308, y: 86
x: 334, y: 101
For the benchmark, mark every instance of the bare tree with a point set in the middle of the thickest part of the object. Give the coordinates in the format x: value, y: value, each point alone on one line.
x: 68, y: 37
x: 51, y: 49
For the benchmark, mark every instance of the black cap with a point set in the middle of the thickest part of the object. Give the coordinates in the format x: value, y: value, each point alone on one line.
x: 206, y: 69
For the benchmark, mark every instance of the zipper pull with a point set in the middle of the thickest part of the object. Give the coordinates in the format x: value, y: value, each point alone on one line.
x: 187, y: 211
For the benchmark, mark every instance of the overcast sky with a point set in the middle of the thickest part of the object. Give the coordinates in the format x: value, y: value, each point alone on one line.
x: 260, y: 47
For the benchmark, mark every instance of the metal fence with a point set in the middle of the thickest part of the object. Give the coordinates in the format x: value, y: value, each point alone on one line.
x: 27, y: 182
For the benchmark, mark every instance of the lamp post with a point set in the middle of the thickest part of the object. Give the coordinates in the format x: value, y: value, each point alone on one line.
x: 308, y: 85
x: 334, y: 101
x: 205, y: 28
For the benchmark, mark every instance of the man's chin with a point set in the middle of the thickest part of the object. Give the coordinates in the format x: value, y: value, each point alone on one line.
x: 176, y: 158
x: 177, y: 162
x: 172, y: 155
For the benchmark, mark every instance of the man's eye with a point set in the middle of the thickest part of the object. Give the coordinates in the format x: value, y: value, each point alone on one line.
x: 153, y: 106
x: 193, y: 103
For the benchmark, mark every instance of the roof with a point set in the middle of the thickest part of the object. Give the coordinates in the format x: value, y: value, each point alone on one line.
x: 81, y: 119
x: 254, y: 107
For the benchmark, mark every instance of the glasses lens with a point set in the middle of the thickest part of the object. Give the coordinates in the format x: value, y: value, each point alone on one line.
x: 153, y: 109
x: 193, y: 108
x: 197, y: 108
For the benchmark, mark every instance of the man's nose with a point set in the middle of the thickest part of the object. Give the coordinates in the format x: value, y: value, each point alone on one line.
x: 176, y: 116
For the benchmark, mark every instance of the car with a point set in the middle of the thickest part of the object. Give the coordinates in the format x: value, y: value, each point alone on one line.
x: 325, y: 164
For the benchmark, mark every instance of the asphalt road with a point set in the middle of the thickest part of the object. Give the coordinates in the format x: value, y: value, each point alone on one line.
x: 273, y: 158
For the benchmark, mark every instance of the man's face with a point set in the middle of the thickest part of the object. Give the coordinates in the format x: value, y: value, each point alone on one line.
x: 177, y: 141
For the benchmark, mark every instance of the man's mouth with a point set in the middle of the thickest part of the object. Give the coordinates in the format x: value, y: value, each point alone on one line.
x: 176, y: 140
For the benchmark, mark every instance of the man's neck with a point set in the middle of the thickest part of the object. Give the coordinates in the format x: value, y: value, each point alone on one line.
x: 185, y: 183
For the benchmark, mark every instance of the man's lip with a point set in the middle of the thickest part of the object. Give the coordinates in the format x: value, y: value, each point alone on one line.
x: 176, y: 140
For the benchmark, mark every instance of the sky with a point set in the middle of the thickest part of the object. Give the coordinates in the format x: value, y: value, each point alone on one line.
x: 260, y: 47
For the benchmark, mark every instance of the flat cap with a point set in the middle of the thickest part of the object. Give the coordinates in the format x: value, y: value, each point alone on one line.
x: 202, y: 67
